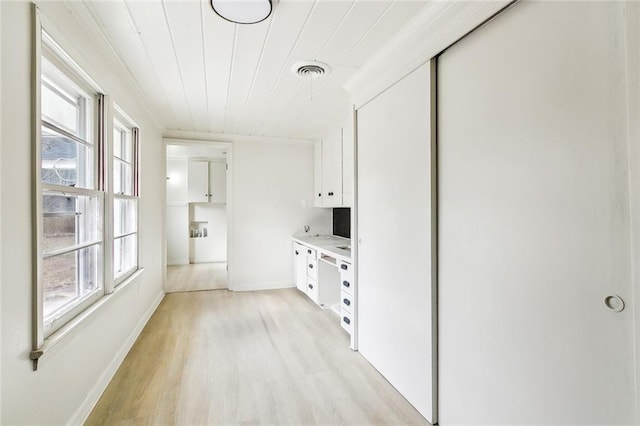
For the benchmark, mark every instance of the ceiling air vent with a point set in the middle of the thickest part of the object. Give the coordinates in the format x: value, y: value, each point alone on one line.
x: 310, y: 69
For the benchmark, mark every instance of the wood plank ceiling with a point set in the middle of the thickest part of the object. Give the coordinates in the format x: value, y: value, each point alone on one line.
x: 202, y: 73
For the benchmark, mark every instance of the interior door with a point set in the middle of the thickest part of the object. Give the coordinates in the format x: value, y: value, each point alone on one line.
x: 534, y: 220
x: 394, y: 275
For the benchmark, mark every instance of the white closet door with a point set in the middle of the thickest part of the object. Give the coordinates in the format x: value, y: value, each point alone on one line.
x: 534, y: 220
x: 394, y: 226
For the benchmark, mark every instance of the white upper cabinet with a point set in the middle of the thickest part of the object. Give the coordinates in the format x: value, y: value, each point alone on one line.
x: 348, y: 143
x: 207, y: 182
x: 334, y: 167
x: 217, y: 182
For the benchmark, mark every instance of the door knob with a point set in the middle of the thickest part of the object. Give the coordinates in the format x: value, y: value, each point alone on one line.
x: 614, y: 303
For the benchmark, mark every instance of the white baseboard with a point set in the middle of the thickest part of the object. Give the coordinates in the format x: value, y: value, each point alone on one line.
x: 262, y: 286
x: 82, y: 413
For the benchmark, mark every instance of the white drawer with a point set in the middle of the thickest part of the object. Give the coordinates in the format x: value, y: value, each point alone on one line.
x: 346, y: 320
x: 345, y: 268
x: 346, y: 302
x: 346, y: 285
x: 309, y: 251
x: 312, y: 290
x: 312, y: 268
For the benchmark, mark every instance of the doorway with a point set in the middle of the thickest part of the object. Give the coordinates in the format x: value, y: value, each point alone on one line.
x: 198, y: 210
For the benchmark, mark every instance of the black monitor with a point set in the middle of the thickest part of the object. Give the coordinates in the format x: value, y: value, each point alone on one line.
x: 342, y: 222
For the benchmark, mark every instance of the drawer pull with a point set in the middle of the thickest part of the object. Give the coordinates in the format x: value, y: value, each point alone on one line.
x: 310, y: 266
x: 346, y: 320
x: 343, y: 266
x: 320, y: 194
x: 297, y: 252
x: 309, y: 251
x: 311, y: 286
x: 331, y: 194
x: 346, y: 302
x: 346, y: 284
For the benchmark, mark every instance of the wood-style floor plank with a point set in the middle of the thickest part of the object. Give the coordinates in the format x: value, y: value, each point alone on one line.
x: 264, y: 357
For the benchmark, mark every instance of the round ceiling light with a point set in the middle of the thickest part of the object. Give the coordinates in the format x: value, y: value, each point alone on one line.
x: 242, y: 11
x: 310, y: 69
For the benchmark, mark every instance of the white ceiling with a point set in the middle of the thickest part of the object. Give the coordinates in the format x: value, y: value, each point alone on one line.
x: 202, y: 73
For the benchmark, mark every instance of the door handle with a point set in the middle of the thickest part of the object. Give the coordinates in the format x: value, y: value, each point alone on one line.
x: 614, y: 303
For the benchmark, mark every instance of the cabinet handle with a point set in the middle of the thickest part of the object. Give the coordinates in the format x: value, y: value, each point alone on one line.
x: 331, y: 194
x: 346, y: 284
x: 309, y: 251
x: 347, y: 302
x: 346, y: 320
x: 297, y: 252
x: 310, y: 266
x: 310, y: 286
x: 343, y: 266
x: 319, y: 194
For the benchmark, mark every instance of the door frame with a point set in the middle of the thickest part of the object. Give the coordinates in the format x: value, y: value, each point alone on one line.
x: 229, y: 203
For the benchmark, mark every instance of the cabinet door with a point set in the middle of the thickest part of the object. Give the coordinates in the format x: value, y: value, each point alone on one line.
x: 198, y: 182
x: 348, y: 137
x: 332, y: 169
x: 218, y: 182
x: 300, y: 267
x: 317, y: 174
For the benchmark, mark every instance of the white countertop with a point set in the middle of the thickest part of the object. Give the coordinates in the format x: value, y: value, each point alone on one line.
x: 328, y: 244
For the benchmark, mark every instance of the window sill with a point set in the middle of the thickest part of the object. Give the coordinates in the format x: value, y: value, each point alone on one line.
x: 66, y: 330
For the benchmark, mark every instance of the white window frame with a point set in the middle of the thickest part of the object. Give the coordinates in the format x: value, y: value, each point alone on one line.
x: 47, y: 335
x: 66, y: 69
x: 119, y: 119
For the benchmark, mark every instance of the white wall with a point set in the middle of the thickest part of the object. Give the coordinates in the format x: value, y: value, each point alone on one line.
x: 177, y: 235
x: 71, y: 375
x: 270, y: 180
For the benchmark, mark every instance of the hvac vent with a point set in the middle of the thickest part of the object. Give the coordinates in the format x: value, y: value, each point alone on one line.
x: 310, y: 69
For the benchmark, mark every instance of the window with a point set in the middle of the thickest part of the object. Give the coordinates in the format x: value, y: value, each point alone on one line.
x: 125, y: 200
x: 71, y: 244
x: 86, y: 215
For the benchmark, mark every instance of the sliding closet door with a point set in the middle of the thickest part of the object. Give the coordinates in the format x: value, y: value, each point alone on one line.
x: 394, y: 230
x: 534, y: 220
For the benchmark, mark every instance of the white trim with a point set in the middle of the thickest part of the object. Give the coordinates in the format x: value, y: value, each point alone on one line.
x: 82, y: 413
x: 183, y: 136
x: 264, y: 286
x: 436, y: 27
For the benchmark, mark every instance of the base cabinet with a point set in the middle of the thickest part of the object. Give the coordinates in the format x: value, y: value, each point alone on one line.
x: 300, y: 266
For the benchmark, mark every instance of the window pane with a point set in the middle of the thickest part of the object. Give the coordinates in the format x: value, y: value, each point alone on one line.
x: 125, y: 217
x: 125, y: 254
x: 60, y: 108
x: 121, y: 177
x: 122, y: 143
x: 117, y: 142
x: 68, y: 278
x: 66, y: 162
x: 69, y: 220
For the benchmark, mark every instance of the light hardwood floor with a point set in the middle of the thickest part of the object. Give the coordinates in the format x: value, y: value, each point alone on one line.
x: 264, y: 357
x: 196, y: 277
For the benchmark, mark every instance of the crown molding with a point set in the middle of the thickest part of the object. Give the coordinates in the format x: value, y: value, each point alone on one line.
x: 436, y: 27
x: 187, y: 136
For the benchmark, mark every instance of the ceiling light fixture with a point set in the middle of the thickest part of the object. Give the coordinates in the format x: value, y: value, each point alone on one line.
x: 242, y: 11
